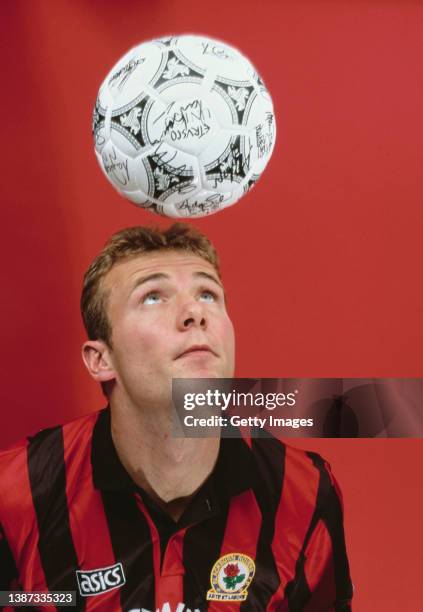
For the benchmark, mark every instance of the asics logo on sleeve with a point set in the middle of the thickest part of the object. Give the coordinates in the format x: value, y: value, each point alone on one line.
x: 97, y: 581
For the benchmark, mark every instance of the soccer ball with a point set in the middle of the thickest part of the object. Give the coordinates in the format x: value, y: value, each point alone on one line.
x: 183, y: 126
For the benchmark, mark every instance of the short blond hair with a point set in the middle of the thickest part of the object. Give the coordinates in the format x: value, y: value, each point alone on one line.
x: 128, y: 243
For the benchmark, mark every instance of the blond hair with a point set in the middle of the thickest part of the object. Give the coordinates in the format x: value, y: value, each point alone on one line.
x: 128, y: 243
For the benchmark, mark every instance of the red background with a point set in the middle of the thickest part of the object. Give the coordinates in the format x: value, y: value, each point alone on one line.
x: 322, y: 260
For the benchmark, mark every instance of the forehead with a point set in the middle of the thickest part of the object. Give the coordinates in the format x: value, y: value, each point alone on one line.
x: 175, y: 264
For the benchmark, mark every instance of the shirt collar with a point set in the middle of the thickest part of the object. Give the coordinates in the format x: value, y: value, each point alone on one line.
x: 235, y: 469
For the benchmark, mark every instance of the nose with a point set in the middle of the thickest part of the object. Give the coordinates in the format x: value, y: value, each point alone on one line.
x: 192, y: 314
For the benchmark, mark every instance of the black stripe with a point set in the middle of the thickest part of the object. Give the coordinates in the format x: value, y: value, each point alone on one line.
x: 8, y: 569
x: 297, y: 590
x: 47, y: 476
x: 328, y: 509
x: 202, y: 546
x: 234, y: 473
x: 269, y: 456
x: 132, y: 546
x: 332, y: 517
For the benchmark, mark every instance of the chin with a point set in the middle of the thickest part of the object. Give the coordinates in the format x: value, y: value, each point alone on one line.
x: 202, y: 371
x: 203, y: 366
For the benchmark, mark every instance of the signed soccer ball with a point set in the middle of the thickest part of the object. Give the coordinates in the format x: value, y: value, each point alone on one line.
x: 183, y: 126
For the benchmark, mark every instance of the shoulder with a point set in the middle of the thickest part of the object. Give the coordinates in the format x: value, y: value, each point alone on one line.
x: 41, y: 458
x: 280, y: 459
x: 17, y: 454
x: 293, y: 473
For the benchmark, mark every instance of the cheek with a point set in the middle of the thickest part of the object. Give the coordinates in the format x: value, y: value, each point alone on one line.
x: 139, y: 336
x: 228, y: 335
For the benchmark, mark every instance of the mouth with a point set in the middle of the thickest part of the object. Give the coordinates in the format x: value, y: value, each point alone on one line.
x: 196, y: 350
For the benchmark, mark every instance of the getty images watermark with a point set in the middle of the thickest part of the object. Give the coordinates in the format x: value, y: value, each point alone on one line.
x: 243, y: 403
x: 224, y: 407
x: 298, y: 407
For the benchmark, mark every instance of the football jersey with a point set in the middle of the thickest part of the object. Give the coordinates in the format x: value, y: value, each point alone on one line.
x: 263, y: 533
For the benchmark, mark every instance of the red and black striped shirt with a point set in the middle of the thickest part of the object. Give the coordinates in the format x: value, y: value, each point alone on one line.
x: 264, y: 533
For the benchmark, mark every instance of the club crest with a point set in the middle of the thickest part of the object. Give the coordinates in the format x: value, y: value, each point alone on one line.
x: 230, y: 578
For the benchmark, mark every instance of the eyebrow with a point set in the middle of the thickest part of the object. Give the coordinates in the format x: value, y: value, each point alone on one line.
x: 150, y: 277
x: 209, y: 277
x: 161, y: 275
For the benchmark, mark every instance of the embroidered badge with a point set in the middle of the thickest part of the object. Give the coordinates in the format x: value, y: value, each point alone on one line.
x: 230, y: 578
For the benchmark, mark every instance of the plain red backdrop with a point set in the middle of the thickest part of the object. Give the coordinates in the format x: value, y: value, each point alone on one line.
x: 322, y: 260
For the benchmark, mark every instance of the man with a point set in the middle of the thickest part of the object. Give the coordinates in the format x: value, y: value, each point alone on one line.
x: 115, y: 508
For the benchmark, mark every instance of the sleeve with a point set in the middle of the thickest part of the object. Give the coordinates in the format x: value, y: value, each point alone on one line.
x: 324, y: 582
x: 8, y: 570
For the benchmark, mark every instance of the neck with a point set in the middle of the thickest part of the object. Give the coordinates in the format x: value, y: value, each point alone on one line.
x: 169, y: 469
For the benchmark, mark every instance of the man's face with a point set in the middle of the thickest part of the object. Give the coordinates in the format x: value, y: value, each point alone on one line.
x: 169, y: 320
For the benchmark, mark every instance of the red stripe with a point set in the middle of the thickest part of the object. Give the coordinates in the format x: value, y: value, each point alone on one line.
x: 155, y: 539
x: 168, y: 581
x: 296, y: 507
x: 243, y: 512
x: 19, y: 521
x: 87, y: 519
x: 319, y: 570
x: 248, y: 440
x: 171, y: 584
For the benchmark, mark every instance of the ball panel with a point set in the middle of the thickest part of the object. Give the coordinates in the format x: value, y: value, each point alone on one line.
x: 261, y: 143
x: 99, y: 137
x: 216, y: 154
x: 119, y: 168
x: 104, y: 99
x: 128, y: 121
x: 135, y: 72
x: 139, y: 198
x: 124, y: 140
x: 224, y: 107
x: 203, y: 203
x: 98, y: 126
x: 174, y: 68
x: 205, y: 54
x: 169, y: 172
x: 229, y: 169
x: 236, y: 98
x: 186, y: 122
x: 261, y: 139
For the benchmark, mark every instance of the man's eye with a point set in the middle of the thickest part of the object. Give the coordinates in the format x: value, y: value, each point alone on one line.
x: 207, y: 296
x: 152, y: 298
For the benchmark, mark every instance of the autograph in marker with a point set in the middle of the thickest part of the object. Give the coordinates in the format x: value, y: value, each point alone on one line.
x: 117, y: 169
x: 120, y: 77
x: 167, y: 175
x: 189, y: 121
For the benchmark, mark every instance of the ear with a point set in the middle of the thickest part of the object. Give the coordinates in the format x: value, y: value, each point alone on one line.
x: 97, y: 359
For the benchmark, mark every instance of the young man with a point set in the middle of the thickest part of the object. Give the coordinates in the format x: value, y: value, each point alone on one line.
x: 115, y: 508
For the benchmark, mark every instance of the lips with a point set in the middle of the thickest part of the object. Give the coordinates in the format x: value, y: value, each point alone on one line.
x: 196, y: 348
